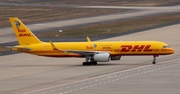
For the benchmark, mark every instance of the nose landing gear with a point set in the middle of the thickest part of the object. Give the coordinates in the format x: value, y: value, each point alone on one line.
x: 154, y: 59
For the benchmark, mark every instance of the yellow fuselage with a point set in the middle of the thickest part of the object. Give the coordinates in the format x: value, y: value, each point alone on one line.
x: 114, y: 48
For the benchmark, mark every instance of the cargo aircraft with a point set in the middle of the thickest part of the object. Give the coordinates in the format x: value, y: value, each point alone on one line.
x: 93, y: 52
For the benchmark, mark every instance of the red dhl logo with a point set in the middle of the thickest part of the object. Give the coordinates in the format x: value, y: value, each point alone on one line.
x: 136, y: 48
x: 21, y: 30
x: 25, y: 35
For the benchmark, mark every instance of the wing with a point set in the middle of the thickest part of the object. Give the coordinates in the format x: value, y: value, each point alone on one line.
x: 81, y: 52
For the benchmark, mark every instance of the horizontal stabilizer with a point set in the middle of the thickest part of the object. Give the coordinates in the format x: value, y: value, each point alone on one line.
x: 18, y: 48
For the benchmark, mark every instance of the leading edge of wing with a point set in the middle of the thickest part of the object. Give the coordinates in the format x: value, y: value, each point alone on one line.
x: 82, y: 52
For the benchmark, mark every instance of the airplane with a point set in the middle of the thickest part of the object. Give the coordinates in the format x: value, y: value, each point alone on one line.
x: 92, y: 51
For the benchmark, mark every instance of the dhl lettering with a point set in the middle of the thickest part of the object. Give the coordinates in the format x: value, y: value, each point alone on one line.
x: 106, y: 48
x: 89, y: 47
x: 136, y: 48
x: 21, y: 30
x: 25, y: 35
x: 147, y: 48
x: 126, y: 48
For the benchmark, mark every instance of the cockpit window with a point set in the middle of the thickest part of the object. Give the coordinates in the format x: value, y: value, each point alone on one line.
x: 166, y: 46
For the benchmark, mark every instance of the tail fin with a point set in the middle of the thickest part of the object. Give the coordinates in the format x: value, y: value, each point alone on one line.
x: 23, y: 34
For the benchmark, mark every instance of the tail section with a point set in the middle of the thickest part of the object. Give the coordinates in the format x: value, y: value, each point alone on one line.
x: 23, y: 34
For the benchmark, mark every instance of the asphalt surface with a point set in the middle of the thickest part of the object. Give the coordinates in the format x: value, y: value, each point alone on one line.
x: 147, y: 79
x: 29, y: 74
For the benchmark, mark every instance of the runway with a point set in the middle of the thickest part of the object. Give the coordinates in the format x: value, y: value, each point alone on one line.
x: 29, y: 74
x: 147, y: 79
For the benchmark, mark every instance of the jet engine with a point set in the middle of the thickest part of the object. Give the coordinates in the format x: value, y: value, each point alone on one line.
x: 116, y: 58
x: 101, y: 57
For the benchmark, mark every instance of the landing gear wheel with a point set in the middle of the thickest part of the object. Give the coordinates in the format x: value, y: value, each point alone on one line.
x: 95, y: 63
x: 87, y: 63
x: 84, y: 63
x: 154, y: 62
x: 154, y: 59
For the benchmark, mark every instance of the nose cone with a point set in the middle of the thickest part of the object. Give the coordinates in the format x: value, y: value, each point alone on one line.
x: 172, y: 51
x: 167, y: 51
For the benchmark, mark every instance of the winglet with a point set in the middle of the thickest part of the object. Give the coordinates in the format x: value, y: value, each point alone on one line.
x: 88, y: 39
x: 53, y: 46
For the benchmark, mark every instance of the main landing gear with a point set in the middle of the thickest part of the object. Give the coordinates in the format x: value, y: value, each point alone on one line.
x: 89, y: 61
x: 154, y: 59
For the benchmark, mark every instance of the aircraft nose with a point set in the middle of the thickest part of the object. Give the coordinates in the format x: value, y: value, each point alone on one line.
x: 168, y: 50
x: 172, y: 50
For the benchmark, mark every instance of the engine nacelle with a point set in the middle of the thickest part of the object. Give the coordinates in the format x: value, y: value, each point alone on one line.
x: 116, y: 58
x: 102, y: 57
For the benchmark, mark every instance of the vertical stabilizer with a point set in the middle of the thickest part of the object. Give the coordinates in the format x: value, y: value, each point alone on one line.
x: 23, y: 34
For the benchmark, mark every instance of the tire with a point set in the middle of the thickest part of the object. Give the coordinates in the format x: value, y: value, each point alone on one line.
x: 153, y: 62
